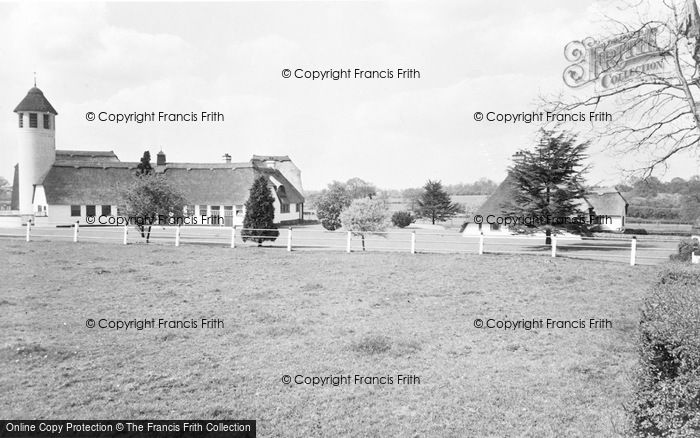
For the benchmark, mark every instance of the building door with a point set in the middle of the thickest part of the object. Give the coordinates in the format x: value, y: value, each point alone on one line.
x: 214, y: 218
x: 228, y: 215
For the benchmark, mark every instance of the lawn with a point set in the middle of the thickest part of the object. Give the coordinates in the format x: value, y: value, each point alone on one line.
x: 317, y: 314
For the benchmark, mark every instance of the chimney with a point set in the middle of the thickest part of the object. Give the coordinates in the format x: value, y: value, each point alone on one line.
x: 160, y: 159
x: 227, y: 158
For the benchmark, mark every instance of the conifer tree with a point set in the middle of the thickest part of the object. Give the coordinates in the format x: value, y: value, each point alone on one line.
x: 144, y: 167
x: 258, y: 223
x: 435, y: 204
x: 548, y: 181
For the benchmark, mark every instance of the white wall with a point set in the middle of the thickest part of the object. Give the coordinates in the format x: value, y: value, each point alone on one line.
x: 472, y: 229
x: 616, y: 224
x: 11, y: 221
x: 37, y: 153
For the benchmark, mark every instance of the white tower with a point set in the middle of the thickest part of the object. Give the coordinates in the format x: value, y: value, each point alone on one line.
x: 36, y: 139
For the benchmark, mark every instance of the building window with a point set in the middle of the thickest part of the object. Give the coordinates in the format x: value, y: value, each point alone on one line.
x: 21, y: 120
x: 202, y: 210
x: 284, y: 208
x: 89, y: 210
x: 189, y: 210
x: 33, y: 120
x: 106, y: 210
x: 47, y: 121
x: 75, y: 211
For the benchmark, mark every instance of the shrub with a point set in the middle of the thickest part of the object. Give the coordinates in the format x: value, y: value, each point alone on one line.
x: 639, y: 231
x: 667, y: 393
x: 402, y: 219
x: 685, y: 250
x: 331, y: 204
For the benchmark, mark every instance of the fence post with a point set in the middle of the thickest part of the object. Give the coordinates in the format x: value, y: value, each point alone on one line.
x: 633, y: 253
x: 75, y: 231
x: 29, y: 225
x: 233, y: 236
x: 177, y: 236
x: 126, y: 233
x: 289, y: 239
x: 481, y: 243
x: 347, y: 249
x: 413, y: 242
x: 554, y: 246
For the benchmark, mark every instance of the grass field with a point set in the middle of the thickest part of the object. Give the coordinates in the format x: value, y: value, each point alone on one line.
x: 317, y: 314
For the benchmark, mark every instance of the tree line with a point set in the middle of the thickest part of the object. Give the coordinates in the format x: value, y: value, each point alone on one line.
x: 653, y: 199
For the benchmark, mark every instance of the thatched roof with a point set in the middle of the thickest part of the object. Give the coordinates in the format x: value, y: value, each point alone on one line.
x: 606, y: 201
x: 96, y: 156
x: 603, y: 200
x: 503, y: 195
x: 89, y: 183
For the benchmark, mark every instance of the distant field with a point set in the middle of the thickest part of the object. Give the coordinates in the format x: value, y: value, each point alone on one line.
x: 660, y: 227
x: 317, y: 314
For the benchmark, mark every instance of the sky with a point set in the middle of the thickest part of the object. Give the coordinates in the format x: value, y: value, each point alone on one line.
x: 228, y: 57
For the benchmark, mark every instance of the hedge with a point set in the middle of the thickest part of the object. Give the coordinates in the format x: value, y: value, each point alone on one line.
x: 667, y: 393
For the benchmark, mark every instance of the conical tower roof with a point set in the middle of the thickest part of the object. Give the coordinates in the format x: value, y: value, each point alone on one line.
x: 35, y: 102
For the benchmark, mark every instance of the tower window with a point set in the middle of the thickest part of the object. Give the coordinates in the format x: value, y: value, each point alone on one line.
x: 21, y: 120
x: 33, y: 122
x: 47, y: 121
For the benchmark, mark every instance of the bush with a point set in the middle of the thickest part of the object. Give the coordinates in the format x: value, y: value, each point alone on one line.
x: 685, y: 250
x: 667, y: 394
x: 402, y: 219
x: 639, y: 231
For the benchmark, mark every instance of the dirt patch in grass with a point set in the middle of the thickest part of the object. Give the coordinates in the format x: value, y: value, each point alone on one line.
x: 317, y: 314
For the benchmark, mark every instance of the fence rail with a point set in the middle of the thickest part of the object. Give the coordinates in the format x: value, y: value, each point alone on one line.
x: 628, y: 250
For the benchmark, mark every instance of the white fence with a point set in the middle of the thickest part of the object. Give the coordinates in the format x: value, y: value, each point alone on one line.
x: 631, y: 250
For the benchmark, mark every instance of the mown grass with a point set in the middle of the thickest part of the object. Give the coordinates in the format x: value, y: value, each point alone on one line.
x: 317, y: 314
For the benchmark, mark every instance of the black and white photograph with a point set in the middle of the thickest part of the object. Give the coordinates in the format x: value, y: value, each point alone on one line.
x: 348, y: 218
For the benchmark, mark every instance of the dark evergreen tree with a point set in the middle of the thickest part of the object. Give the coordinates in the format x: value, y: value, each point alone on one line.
x: 548, y: 182
x: 144, y: 167
x: 258, y: 224
x: 435, y: 204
